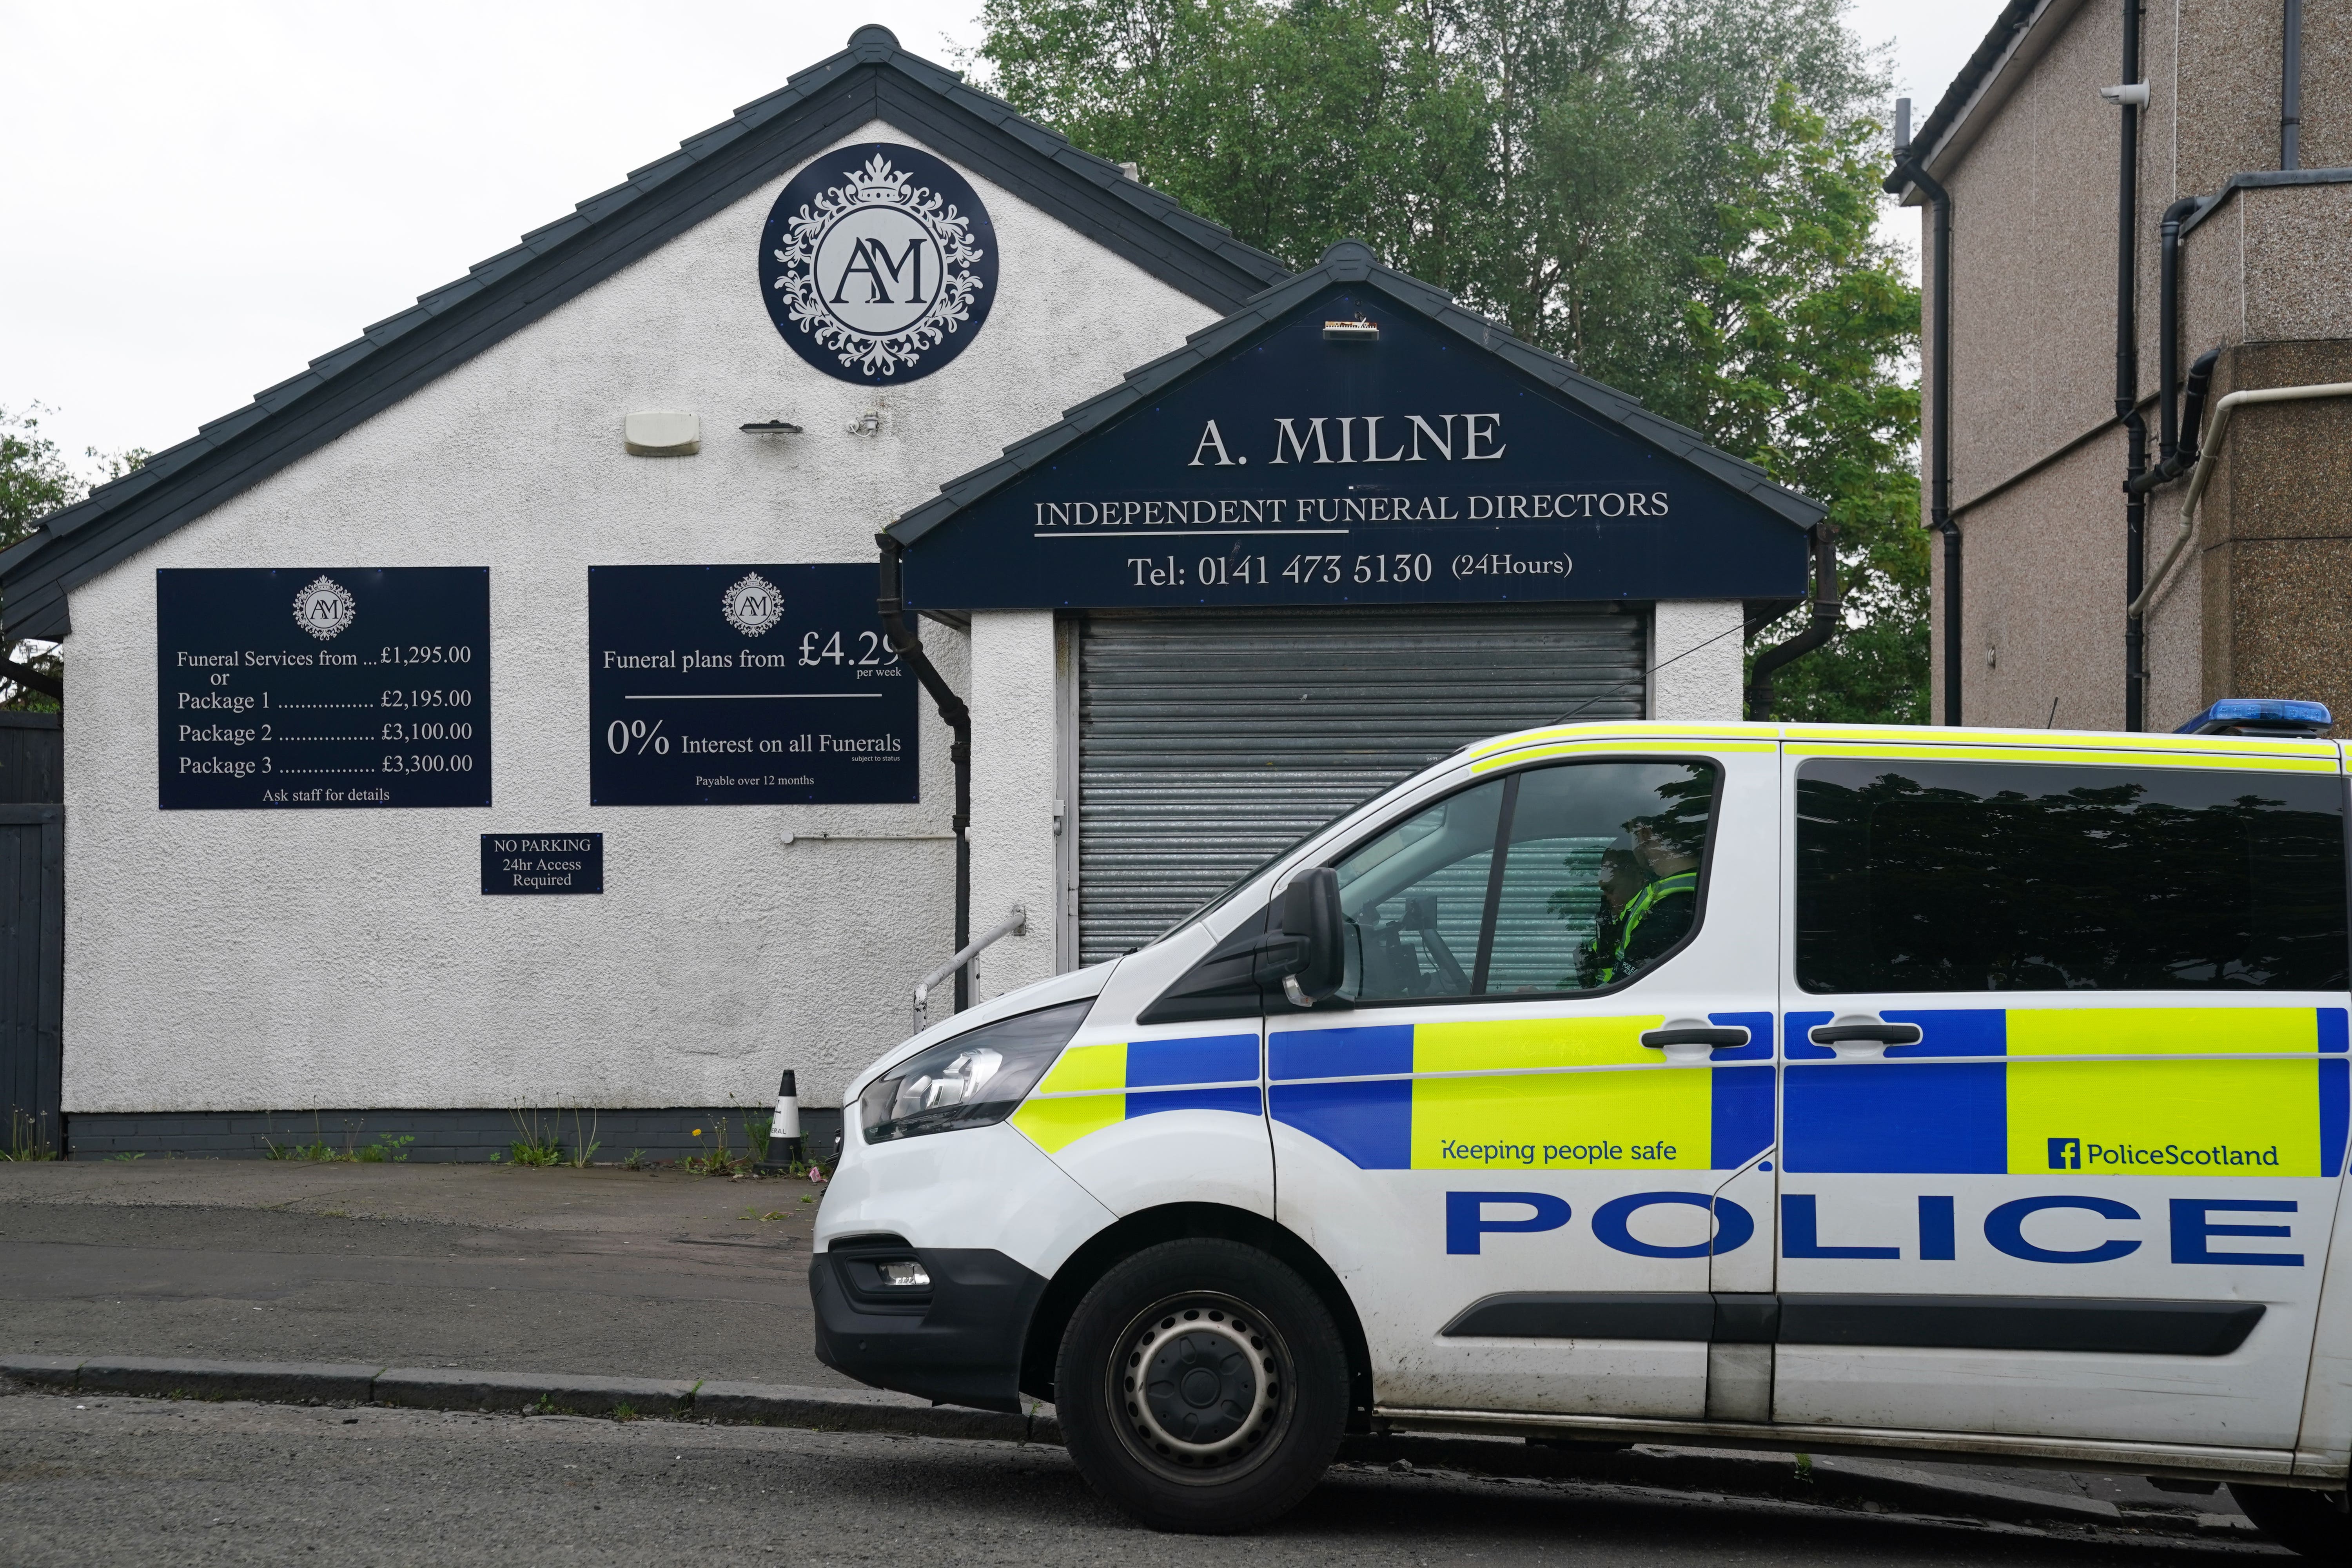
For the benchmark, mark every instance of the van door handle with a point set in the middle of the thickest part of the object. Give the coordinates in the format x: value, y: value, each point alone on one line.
x: 1872, y: 1033
x: 1714, y: 1036
x: 1864, y: 1039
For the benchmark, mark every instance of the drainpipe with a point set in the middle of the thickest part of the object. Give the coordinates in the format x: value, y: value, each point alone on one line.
x: 2177, y: 449
x: 2291, y: 89
x: 2131, y: 97
x: 2189, y: 398
x: 908, y: 646
x: 1907, y: 168
x: 2167, y: 327
x: 1826, y: 625
x: 2192, y: 406
x: 2173, y: 456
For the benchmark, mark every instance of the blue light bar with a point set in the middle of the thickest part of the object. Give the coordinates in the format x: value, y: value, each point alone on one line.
x: 2274, y: 716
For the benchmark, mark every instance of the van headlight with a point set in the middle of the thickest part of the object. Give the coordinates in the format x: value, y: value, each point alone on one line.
x: 972, y: 1080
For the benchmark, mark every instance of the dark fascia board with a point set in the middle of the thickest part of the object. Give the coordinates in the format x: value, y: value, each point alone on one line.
x: 394, y: 358
x: 2262, y: 179
x: 1351, y: 262
x: 2000, y: 40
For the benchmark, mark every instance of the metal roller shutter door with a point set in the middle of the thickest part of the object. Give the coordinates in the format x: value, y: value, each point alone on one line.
x: 1208, y: 743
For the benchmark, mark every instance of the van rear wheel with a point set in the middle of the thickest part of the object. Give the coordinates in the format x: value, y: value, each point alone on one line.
x: 2307, y: 1523
x: 1200, y: 1386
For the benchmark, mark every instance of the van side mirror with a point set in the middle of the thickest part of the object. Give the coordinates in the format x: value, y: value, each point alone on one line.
x: 1312, y: 961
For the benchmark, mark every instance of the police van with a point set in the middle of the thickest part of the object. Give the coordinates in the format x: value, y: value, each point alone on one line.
x: 1846, y: 1089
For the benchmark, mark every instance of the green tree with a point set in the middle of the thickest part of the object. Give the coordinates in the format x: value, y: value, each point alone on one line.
x: 1675, y: 195
x: 1798, y: 323
x: 35, y: 479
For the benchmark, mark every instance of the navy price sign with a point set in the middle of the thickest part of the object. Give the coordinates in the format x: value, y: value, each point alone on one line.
x: 744, y: 686
x: 335, y: 687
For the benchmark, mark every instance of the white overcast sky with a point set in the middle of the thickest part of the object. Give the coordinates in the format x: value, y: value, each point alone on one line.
x: 197, y: 200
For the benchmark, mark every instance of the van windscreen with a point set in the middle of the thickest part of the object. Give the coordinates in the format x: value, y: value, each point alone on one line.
x: 1932, y: 875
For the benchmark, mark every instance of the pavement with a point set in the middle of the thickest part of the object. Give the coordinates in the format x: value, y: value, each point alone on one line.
x: 660, y: 1275
x: 478, y: 1289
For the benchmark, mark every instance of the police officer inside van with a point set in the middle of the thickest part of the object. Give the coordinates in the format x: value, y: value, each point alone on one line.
x: 1649, y: 898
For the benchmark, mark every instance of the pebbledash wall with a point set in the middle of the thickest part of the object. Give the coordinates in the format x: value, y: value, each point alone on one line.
x: 230, y: 960
x: 243, y: 976
x: 2246, y: 142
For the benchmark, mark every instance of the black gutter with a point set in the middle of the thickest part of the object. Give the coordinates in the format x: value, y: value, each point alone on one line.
x: 908, y: 645
x: 1826, y: 625
x: 1908, y: 171
x: 1990, y: 52
x: 2128, y: 376
x: 872, y: 80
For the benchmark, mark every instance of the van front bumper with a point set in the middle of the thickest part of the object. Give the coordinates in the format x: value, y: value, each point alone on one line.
x: 959, y: 1343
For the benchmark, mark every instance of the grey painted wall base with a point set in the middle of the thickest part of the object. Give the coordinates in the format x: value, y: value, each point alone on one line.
x: 440, y: 1136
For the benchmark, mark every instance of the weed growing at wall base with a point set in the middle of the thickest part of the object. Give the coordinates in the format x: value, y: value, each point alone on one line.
x: 384, y: 1148
x: 535, y: 1143
x: 720, y: 1157
x: 583, y: 1144
x: 28, y: 1139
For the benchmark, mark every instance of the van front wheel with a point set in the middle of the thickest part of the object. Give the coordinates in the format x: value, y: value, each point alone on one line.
x: 1200, y: 1386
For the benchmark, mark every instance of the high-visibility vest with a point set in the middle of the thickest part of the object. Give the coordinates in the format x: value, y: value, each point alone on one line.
x: 1630, y: 920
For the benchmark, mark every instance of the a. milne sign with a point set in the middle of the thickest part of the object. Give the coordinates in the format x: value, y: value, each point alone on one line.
x: 1305, y: 469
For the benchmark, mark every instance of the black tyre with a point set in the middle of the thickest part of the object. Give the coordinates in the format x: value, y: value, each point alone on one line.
x: 2308, y: 1523
x: 1202, y: 1386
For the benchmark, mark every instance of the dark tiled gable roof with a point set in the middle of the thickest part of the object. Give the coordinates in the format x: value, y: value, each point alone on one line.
x: 1928, y: 140
x: 871, y: 79
x: 1352, y: 262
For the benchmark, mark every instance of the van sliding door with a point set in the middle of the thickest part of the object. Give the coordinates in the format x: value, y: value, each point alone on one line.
x: 2065, y: 1088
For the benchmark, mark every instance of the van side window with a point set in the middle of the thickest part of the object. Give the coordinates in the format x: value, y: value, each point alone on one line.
x: 1929, y: 876
x: 1598, y: 880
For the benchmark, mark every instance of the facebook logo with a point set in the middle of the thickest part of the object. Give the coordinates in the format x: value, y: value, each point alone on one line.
x: 2065, y: 1153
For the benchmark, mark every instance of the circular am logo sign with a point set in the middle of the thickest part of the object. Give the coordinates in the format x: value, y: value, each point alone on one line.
x: 325, y: 608
x: 752, y: 605
x: 878, y: 263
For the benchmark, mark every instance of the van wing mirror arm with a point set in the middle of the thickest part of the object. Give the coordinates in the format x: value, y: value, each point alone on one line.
x: 1279, y: 957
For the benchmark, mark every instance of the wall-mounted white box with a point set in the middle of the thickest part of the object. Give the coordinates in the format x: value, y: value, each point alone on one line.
x: 662, y: 432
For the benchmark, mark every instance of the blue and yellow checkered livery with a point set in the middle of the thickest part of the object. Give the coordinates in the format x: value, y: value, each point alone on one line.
x: 1532, y: 1093
x: 1090, y: 1088
x: 1581, y: 1093
x: 2103, y: 1092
